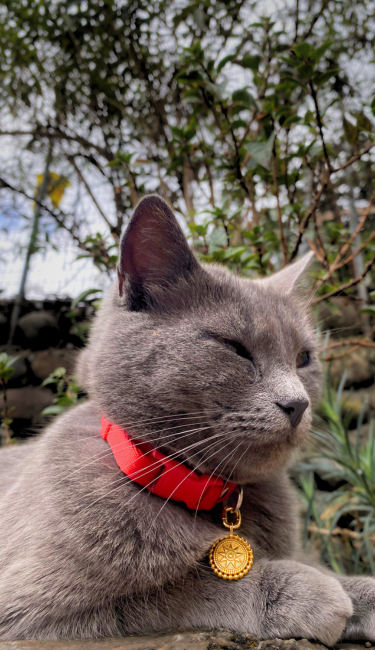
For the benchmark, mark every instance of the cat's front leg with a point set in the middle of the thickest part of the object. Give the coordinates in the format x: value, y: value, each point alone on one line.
x: 277, y: 599
x: 360, y: 626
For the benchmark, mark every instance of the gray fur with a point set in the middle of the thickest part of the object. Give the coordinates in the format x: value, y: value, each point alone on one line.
x: 84, y: 552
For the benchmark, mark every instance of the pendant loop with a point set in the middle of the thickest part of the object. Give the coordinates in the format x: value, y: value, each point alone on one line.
x: 228, y: 524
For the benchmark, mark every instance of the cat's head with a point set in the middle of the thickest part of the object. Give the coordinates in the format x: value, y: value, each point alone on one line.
x: 221, y: 371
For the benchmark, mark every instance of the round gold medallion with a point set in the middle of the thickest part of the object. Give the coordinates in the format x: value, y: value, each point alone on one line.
x: 231, y: 557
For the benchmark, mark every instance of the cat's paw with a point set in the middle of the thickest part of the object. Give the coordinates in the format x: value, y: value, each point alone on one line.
x: 360, y: 626
x: 300, y: 601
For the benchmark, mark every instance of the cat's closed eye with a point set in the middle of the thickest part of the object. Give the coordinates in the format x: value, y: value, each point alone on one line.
x: 233, y: 346
x: 303, y: 359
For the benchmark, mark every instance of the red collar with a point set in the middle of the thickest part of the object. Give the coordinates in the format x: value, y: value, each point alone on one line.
x: 161, y: 475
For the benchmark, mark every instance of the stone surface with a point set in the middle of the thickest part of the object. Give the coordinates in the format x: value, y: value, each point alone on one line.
x: 38, y: 330
x: 359, y: 368
x: 45, y: 362
x: 28, y: 402
x: 177, y: 640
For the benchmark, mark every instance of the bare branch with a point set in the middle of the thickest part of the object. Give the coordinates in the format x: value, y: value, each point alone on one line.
x: 305, y: 221
x: 345, y: 353
x: 84, y: 181
x: 320, y: 124
x: 337, y: 264
x: 347, y: 285
x: 354, y: 158
x: 341, y: 532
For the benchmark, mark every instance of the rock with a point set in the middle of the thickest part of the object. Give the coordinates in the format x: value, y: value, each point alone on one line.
x: 45, y: 362
x: 27, y: 403
x: 359, y: 368
x: 38, y: 330
x: 177, y: 640
x: 342, y: 317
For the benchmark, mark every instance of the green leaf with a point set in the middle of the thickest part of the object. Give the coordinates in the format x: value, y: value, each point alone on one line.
x: 350, y: 130
x: 292, y: 119
x: 243, y: 97
x: 261, y: 151
x: 303, y: 50
x: 236, y: 124
x: 54, y: 377
x: 193, y: 96
x: 224, y: 61
x: 250, y: 62
x: 321, y: 79
x: 53, y: 410
x: 293, y: 62
x: 233, y: 251
x: 84, y: 295
x: 305, y: 71
x: 309, y: 117
x: 198, y: 229
x: 373, y: 107
x: 289, y: 83
x: 319, y: 52
x: 368, y: 310
x: 363, y: 123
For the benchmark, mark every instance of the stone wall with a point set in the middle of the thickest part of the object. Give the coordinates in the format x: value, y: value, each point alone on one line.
x: 48, y: 336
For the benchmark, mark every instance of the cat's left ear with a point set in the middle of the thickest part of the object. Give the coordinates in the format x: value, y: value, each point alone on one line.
x: 286, y: 280
x: 154, y: 253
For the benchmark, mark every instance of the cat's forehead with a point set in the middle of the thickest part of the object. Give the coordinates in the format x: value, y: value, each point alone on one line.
x: 255, y: 309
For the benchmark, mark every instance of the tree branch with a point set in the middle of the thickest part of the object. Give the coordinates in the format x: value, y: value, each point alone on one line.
x: 320, y: 124
x: 337, y: 264
x: 347, y: 285
x: 84, y: 181
x: 305, y: 221
x: 354, y: 158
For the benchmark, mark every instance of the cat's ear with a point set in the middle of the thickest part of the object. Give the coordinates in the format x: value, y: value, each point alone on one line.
x: 154, y: 252
x: 286, y: 280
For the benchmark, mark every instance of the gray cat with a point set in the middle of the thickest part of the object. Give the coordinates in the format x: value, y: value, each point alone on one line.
x: 220, y: 372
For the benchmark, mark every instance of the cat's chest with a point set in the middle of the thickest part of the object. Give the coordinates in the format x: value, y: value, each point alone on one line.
x: 269, y: 521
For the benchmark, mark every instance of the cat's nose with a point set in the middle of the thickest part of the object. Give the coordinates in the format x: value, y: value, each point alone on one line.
x: 294, y: 409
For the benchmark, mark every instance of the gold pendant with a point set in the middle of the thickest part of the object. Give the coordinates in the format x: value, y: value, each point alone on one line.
x: 231, y: 557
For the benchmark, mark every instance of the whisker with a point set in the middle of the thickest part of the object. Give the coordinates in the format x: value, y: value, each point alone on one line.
x: 166, y: 419
x: 189, y: 458
x: 214, y: 472
x: 128, y: 479
x: 120, y: 444
x: 184, y: 479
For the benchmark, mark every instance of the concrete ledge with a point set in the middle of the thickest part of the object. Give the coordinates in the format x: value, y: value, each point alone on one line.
x: 178, y: 640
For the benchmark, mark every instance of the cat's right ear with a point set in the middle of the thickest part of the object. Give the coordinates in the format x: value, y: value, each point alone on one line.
x: 154, y: 252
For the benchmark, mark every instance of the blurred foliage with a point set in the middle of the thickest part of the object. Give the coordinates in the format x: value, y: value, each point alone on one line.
x: 6, y: 372
x: 68, y: 393
x: 340, y: 522
x: 244, y: 122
